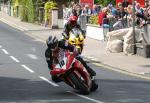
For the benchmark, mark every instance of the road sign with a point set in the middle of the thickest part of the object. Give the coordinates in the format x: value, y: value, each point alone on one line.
x: 87, y: 2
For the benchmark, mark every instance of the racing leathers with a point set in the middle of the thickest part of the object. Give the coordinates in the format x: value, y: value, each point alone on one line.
x: 64, y: 45
x: 68, y: 27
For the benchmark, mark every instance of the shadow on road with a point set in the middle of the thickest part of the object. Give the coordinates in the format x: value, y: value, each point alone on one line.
x: 124, y: 91
x: 110, y: 91
x: 148, y: 66
x: 27, y: 91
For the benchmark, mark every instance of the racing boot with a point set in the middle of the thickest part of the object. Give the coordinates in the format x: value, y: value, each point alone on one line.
x: 90, y: 71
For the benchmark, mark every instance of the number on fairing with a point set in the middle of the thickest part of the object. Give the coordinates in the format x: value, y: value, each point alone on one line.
x: 62, y: 63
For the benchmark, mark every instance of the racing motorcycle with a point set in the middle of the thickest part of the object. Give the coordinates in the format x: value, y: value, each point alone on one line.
x: 76, y: 38
x: 67, y: 68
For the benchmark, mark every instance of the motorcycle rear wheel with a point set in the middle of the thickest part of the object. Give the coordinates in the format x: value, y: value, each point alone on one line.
x: 79, y: 84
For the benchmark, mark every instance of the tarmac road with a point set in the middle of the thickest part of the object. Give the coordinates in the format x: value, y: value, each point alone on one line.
x: 25, y: 78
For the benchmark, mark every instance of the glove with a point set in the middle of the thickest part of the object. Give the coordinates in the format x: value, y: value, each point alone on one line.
x: 65, y: 36
x: 84, y: 33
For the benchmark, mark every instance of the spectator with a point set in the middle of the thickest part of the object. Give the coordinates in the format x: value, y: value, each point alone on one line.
x: 112, y: 10
x: 103, y: 15
x: 65, y: 9
x: 86, y: 12
x: 129, y: 16
x: 146, y: 16
x: 139, y: 13
x: 121, y: 11
x: 147, y: 10
x: 95, y: 10
x: 98, y: 8
x: 120, y: 16
x: 104, y: 22
x: 79, y: 11
x: 138, y: 9
x: 112, y: 15
x: 71, y: 10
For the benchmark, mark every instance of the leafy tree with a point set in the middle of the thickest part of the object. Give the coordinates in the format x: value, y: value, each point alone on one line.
x: 104, y: 2
x: 23, y: 11
x: 48, y: 6
x: 31, y: 10
x: 27, y: 10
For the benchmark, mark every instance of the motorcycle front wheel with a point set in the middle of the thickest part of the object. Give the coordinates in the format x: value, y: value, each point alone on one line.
x: 79, y: 84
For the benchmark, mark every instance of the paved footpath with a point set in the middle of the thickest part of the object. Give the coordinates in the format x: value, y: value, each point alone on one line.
x: 131, y: 64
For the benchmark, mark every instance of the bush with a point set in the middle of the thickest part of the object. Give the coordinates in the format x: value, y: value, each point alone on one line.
x: 93, y: 19
x: 26, y: 10
x: 31, y: 9
x: 48, y: 6
x: 23, y: 13
x: 105, y: 2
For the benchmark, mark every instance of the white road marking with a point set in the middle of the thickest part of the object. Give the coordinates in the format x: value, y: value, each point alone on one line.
x: 37, y: 39
x: 0, y: 46
x: 63, y: 100
x: 50, y: 82
x: 142, y: 73
x: 27, y: 68
x: 13, y: 58
x: 5, y: 51
x: 82, y: 96
x: 32, y: 56
x: 91, y: 58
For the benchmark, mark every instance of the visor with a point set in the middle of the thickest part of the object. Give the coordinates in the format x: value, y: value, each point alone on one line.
x: 53, y: 46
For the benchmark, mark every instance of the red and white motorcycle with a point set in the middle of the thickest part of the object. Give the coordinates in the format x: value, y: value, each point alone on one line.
x: 70, y: 70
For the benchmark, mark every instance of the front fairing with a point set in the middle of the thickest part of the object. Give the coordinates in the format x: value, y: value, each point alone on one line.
x: 76, y: 37
x: 64, y: 63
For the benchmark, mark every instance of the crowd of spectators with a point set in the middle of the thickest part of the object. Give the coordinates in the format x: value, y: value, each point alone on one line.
x: 117, y: 17
x: 80, y: 11
x: 118, y: 20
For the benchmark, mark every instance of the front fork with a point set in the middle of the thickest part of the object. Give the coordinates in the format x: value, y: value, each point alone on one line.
x: 79, y: 48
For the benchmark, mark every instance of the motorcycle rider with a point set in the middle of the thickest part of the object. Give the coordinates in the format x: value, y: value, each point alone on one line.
x: 53, y: 44
x: 72, y: 23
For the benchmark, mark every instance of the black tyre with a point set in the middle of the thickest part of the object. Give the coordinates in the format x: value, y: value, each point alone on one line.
x: 94, y: 86
x: 79, y: 50
x: 81, y: 47
x: 79, y: 84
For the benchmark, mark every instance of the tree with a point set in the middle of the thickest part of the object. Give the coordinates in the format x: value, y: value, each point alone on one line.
x: 27, y: 10
x: 104, y: 2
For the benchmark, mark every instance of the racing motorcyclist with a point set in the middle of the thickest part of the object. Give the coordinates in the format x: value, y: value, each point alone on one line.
x: 72, y: 23
x: 53, y: 44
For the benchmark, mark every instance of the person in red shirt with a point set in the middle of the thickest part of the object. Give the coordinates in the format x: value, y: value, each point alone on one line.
x: 101, y: 16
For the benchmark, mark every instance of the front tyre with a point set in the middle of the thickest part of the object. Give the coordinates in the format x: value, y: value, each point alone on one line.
x: 79, y: 50
x: 94, y: 86
x: 79, y: 84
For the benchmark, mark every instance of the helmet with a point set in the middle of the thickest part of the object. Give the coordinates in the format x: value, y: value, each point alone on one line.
x: 52, y: 42
x: 73, y: 20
